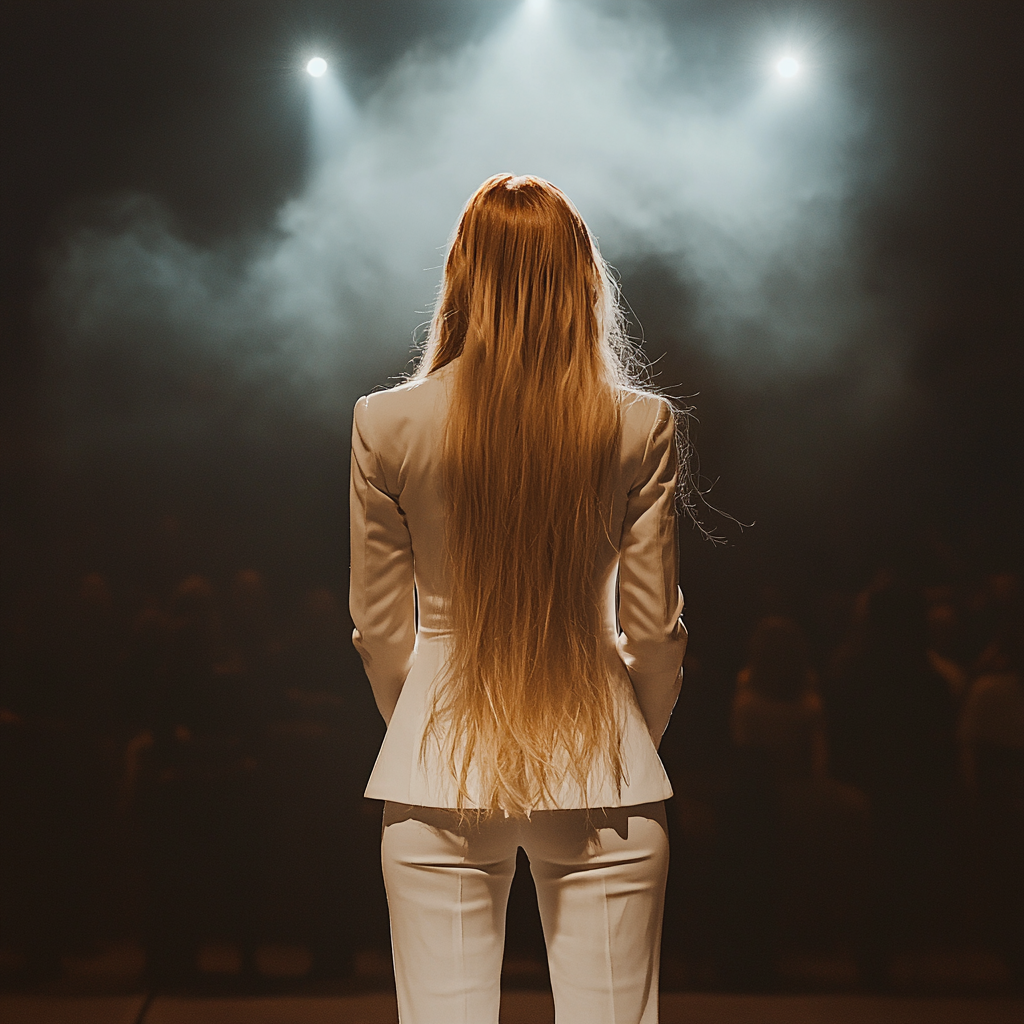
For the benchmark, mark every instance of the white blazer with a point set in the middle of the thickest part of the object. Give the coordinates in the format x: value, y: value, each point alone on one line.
x: 397, y: 596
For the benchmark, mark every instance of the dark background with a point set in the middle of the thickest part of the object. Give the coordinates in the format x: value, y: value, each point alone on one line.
x: 198, y: 104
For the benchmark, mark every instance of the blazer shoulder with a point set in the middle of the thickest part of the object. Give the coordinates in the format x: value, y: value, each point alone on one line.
x: 409, y: 401
x: 647, y: 420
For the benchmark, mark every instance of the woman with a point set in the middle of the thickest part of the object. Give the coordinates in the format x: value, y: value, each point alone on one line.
x: 515, y: 598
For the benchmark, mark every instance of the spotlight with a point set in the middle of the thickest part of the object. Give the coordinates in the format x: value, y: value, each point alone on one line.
x: 316, y: 67
x: 787, y: 67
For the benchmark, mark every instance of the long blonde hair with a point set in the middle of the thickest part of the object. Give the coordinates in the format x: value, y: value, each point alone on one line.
x: 531, y: 442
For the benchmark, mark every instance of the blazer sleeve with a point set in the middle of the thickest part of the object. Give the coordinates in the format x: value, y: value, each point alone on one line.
x: 652, y: 638
x: 382, y: 583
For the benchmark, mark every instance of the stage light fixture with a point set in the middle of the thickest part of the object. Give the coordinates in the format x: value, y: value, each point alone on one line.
x: 317, y: 67
x: 787, y: 67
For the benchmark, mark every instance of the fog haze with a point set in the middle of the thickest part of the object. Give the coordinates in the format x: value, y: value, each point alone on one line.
x: 684, y: 147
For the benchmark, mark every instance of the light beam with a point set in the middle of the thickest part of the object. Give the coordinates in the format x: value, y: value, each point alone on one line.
x: 317, y: 67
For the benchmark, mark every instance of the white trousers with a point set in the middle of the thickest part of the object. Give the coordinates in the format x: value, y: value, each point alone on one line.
x: 600, y: 878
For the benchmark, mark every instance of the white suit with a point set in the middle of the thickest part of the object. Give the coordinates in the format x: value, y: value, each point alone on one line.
x: 397, y: 602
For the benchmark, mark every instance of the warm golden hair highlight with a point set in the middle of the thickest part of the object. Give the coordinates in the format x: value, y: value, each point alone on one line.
x: 530, y: 448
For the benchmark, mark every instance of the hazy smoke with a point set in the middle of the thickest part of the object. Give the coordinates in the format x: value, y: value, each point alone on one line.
x: 741, y: 182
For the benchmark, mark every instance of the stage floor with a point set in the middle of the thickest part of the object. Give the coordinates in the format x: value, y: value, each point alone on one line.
x: 517, y: 1008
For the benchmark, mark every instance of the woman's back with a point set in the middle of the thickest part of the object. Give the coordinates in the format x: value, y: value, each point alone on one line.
x: 399, y: 563
x: 515, y: 600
